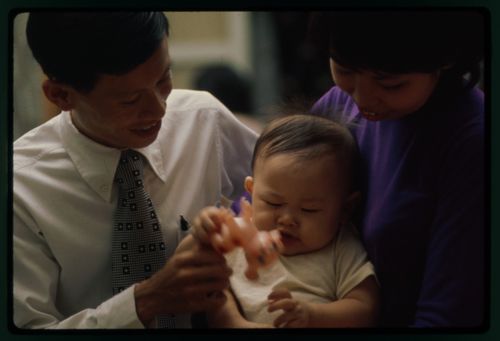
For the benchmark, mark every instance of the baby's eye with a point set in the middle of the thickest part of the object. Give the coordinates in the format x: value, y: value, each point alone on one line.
x: 310, y: 210
x: 273, y: 204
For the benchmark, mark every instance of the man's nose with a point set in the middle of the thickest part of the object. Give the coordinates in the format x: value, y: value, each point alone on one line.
x: 155, y: 105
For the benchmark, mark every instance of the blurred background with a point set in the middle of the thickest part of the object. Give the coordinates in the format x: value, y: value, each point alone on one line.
x: 252, y: 61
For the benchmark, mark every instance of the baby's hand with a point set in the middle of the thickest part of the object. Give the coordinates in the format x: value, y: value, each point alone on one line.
x: 295, y: 313
x: 208, y: 222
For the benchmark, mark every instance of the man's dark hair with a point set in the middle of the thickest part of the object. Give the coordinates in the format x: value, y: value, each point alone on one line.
x: 75, y: 48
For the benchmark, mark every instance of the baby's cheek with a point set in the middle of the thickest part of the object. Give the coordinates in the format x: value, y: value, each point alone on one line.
x: 264, y: 221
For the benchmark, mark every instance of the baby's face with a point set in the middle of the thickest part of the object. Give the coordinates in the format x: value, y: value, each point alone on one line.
x: 304, y: 200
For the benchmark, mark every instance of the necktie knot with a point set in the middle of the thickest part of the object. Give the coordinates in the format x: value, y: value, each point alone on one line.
x: 129, y: 173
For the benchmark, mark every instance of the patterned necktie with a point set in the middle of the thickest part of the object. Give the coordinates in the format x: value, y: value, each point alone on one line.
x: 138, y: 250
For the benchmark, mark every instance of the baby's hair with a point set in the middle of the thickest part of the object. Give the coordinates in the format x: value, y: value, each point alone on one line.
x: 307, y: 137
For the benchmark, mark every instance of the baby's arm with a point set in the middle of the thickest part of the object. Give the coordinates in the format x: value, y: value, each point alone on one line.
x: 229, y: 316
x: 359, y: 308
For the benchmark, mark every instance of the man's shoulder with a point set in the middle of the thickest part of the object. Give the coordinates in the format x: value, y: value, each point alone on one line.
x: 197, y: 108
x: 183, y: 99
x: 36, y: 143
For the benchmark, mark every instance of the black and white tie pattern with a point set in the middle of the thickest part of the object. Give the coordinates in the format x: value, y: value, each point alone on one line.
x: 138, y: 250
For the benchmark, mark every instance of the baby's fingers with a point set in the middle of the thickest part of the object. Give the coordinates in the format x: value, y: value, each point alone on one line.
x: 199, y: 231
x: 206, y: 223
x: 283, y: 304
x: 279, y: 294
x: 246, y: 209
x: 287, y: 319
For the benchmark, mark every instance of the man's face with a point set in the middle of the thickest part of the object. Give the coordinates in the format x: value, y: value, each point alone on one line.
x: 126, y: 111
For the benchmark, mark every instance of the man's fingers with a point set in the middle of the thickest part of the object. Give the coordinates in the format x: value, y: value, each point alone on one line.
x: 198, y: 255
x: 207, y: 288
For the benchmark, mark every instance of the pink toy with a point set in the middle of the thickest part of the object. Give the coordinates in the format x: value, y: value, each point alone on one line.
x: 261, y: 247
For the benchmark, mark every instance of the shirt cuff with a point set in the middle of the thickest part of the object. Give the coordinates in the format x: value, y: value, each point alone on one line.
x: 119, y: 311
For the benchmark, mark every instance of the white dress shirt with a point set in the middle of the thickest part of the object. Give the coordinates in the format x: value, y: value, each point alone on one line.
x: 64, y: 199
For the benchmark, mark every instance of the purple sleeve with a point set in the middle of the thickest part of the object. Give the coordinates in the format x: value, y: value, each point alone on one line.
x: 453, y: 290
x: 236, y: 207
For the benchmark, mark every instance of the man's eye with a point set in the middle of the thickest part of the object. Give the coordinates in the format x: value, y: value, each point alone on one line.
x: 130, y: 102
x: 165, y: 79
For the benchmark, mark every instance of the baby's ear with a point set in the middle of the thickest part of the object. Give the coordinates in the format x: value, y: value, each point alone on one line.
x: 351, y: 202
x: 249, y: 184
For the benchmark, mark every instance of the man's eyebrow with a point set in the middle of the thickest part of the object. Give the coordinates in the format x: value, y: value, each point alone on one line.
x: 168, y: 68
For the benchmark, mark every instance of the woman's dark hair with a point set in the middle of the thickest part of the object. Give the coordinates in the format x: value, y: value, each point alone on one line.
x: 308, y: 137
x: 403, y: 41
x: 75, y: 48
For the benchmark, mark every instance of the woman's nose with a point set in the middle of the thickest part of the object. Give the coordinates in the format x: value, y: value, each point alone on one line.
x: 364, y: 93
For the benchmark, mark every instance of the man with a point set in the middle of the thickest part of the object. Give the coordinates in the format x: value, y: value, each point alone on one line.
x: 110, y: 74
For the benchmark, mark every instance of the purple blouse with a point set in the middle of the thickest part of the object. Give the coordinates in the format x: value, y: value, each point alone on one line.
x: 423, y: 218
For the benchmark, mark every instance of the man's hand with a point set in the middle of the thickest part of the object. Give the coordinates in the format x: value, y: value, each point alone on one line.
x: 296, y: 314
x: 208, y: 221
x: 192, y: 280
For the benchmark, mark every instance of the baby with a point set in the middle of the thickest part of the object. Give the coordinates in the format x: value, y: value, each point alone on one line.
x: 302, y: 186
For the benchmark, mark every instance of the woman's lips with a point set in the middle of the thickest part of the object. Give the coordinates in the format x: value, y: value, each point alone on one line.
x: 371, y: 116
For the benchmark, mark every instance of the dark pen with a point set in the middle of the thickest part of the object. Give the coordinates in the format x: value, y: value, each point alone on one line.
x: 184, y: 224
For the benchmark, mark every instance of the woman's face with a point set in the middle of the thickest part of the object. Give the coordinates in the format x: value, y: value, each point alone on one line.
x: 383, y: 96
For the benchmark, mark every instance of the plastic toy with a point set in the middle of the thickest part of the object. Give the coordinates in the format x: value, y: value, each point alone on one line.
x: 261, y: 248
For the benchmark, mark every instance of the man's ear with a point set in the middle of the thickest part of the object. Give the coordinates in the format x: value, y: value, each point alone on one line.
x: 249, y: 184
x: 350, y: 205
x: 59, y: 94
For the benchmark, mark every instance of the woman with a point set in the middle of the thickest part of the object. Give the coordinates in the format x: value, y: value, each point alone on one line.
x: 405, y: 80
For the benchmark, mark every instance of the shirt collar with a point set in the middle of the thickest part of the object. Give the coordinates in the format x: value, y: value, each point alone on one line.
x: 97, y: 163
x: 154, y: 155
